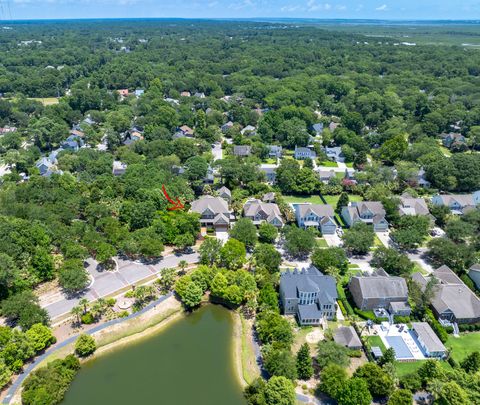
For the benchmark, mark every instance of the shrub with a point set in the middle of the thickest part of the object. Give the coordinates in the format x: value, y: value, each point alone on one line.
x: 452, y: 362
x: 436, y: 326
x: 87, y: 318
x: 354, y: 353
x: 122, y: 314
x: 85, y: 345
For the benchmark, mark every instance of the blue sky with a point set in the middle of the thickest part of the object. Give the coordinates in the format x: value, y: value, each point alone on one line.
x: 372, y: 9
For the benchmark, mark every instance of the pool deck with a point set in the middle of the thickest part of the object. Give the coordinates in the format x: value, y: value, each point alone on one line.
x: 406, y: 346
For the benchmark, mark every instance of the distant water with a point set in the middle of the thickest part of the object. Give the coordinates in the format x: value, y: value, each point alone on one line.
x: 189, y: 363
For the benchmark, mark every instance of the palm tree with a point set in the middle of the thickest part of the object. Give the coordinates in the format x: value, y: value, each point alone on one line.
x: 83, y: 303
x: 77, y: 312
x: 183, y: 265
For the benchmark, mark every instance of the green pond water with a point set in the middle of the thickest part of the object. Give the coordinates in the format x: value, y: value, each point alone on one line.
x: 189, y: 363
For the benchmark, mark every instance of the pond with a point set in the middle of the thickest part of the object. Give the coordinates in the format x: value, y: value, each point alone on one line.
x: 188, y: 363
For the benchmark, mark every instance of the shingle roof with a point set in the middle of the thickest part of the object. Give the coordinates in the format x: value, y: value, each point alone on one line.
x: 347, y: 336
x: 320, y: 210
x: 242, y: 150
x: 380, y: 286
x: 412, y: 206
x: 428, y: 337
x: 307, y: 278
x: 271, y: 210
x: 216, y: 204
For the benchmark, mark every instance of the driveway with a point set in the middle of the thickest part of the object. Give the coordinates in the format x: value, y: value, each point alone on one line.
x: 384, y: 238
x: 217, y: 151
x: 222, y: 236
x: 332, y: 240
x: 106, y: 283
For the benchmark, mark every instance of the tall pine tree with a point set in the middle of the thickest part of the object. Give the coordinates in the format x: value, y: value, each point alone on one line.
x: 304, y: 363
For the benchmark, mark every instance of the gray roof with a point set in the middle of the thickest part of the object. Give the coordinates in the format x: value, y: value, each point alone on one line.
x: 225, y: 190
x: 253, y: 207
x: 347, y: 336
x: 311, y: 279
x: 242, y: 150
x: 412, y: 206
x: 380, y: 285
x: 215, y: 204
x: 319, y: 210
x: 464, y: 200
x: 428, y: 337
x: 399, y: 305
x: 357, y: 210
x: 309, y: 312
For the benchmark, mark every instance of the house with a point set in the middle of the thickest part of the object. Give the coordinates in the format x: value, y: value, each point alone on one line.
x: 242, y: 150
x: 304, y: 153
x: 452, y: 301
x: 321, y: 217
x: 269, y: 197
x: 377, y: 290
x: 333, y: 126
x: 275, y: 151
x: 249, y: 130
x: 369, y: 212
x: 309, y: 295
x: 474, y: 274
x: 225, y: 193
x: 214, y: 212
x: 139, y: 92
x: 347, y: 336
x: 334, y: 154
x: 44, y: 165
x: 199, y: 95
x: 225, y: 127
x: 326, y: 175
x: 186, y: 130
x: 399, y: 308
x: 7, y: 129
x: 132, y: 136
x: 54, y: 155
x: 260, y: 212
x: 270, y: 172
x: 428, y: 340
x: 119, y: 168
x: 318, y: 128
x: 210, y: 176
x: 73, y: 143
x: 185, y: 94
x: 123, y: 92
x: 453, y: 138
x: 458, y: 203
x: 422, y: 180
x: 413, y: 206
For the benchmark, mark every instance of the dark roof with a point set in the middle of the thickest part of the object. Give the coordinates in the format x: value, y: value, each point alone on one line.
x: 307, y: 280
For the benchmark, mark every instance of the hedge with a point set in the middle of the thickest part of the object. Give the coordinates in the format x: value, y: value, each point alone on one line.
x: 436, y: 326
x: 469, y: 328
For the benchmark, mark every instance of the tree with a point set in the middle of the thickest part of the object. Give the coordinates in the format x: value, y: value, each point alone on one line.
x: 9, y: 275
x: 392, y: 261
x: 393, y: 149
x: 359, y: 238
x: 322, y: 259
x: 272, y: 327
x: 304, y: 363
x: 42, y: 263
x: 400, y: 397
x: 452, y: 394
x: 72, y: 276
x: 85, y: 345
x: 379, y: 383
x: 388, y: 357
x: 460, y: 231
x: 471, y: 363
x: 233, y: 254
x: 328, y: 352
x: 267, y: 233
x: 167, y: 279
x: 268, y: 257
x: 210, y: 251
x: 184, y: 241
x: 245, y: 231
x: 5, y: 374
x: 411, y: 231
x: 298, y: 242
x: 332, y: 380
x: 193, y: 295
x: 268, y: 297
x: 23, y: 309
x: 343, y: 201
x: 458, y: 257
x: 104, y: 254
x: 41, y: 336
x: 354, y: 392
x: 441, y: 213
x: 280, y: 391
x: 77, y: 312
x: 279, y: 362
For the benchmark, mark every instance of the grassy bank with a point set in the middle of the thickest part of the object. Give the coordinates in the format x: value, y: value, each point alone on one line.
x: 250, y: 370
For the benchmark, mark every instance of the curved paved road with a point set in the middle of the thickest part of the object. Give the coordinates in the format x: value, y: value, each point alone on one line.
x: 108, y: 282
x: 13, y: 389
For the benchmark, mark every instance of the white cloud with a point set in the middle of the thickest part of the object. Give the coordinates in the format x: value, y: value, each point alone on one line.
x: 383, y: 7
x: 312, y: 5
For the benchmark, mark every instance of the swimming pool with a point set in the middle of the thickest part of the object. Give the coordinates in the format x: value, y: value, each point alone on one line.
x: 402, y: 352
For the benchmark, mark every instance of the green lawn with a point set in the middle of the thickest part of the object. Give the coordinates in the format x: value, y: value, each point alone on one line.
x: 462, y: 346
x: 322, y: 243
x: 270, y: 161
x: 376, y: 341
x: 411, y: 367
x: 333, y: 199
x: 328, y: 163
x: 349, y: 165
x: 314, y: 199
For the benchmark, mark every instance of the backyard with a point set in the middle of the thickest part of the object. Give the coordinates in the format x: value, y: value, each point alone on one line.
x: 462, y: 346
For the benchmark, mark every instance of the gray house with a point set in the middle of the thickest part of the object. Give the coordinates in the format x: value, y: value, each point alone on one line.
x: 458, y: 203
x: 309, y: 295
x: 225, y: 193
x: 304, y: 153
x: 474, y: 273
x: 413, y: 206
x: 347, y: 336
x: 270, y: 172
x: 429, y: 341
x: 242, y: 150
x: 44, y: 165
x: 275, y: 151
x: 214, y: 212
x: 378, y: 290
x: 453, y: 300
x: 369, y: 212
x: 317, y: 216
x: 452, y: 139
x: 260, y: 212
